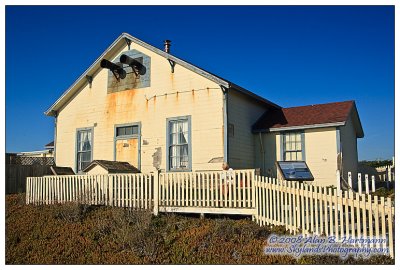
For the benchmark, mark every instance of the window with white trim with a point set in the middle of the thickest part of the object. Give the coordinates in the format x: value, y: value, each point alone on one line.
x: 293, y: 146
x: 179, y: 144
x: 84, y: 148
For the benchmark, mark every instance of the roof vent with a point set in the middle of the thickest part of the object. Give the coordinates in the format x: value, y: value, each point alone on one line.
x: 167, y: 45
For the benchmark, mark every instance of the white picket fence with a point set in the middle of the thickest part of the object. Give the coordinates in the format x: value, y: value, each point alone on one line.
x: 301, y: 208
x: 386, y: 173
x: 123, y: 190
x: 207, y: 192
x: 365, y: 184
x: 309, y: 209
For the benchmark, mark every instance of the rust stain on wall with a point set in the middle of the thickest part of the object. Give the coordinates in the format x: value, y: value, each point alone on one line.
x: 124, y: 100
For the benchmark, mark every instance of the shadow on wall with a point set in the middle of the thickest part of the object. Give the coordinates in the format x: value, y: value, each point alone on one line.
x: 268, y: 165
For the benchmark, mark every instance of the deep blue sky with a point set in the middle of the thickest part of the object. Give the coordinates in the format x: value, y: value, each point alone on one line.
x: 294, y: 56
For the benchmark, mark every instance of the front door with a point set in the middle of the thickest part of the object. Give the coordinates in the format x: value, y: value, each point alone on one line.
x: 127, y: 144
x: 127, y: 150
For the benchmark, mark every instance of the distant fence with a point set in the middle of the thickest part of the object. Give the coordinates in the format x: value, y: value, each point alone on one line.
x: 18, y: 168
x: 386, y: 173
x: 301, y: 208
x: 365, y: 183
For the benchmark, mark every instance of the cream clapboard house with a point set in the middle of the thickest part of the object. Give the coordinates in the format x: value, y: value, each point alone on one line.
x: 158, y: 112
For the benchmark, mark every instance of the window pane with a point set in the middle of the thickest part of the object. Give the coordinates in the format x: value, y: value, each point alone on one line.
x: 298, y: 137
x: 298, y: 145
x: 299, y: 156
x: 288, y: 146
x: 87, y: 146
x: 128, y: 130
x: 121, y: 131
x: 185, y: 126
x: 173, y: 127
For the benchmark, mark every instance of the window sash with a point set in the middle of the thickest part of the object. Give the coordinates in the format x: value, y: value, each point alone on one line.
x: 178, y: 144
x: 292, y: 144
x: 84, y: 148
x: 124, y: 131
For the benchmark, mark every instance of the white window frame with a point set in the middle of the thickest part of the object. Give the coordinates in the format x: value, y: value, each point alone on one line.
x: 168, y: 161
x: 283, y: 145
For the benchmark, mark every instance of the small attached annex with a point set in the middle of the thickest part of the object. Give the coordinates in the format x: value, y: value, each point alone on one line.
x: 323, y: 135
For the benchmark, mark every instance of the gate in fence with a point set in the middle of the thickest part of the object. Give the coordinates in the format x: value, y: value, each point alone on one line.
x: 301, y: 208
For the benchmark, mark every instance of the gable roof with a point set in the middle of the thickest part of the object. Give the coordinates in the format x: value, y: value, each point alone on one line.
x: 62, y: 170
x: 113, y: 166
x: 49, y: 145
x: 117, y: 45
x: 311, y: 116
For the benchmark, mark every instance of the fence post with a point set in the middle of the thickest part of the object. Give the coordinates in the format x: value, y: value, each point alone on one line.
x: 359, y: 184
x: 110, y: 189
x: 338, y: 180
x: 366, y: 184
x: 373, y: 183
x: 156, y: 188
x: 349, y: 180
x: 28, y: 189
x: 253, y: 195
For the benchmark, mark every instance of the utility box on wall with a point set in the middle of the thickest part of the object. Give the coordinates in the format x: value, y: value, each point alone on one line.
x: 133, y: 79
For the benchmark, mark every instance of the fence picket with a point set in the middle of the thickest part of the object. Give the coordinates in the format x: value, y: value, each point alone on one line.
x: 370, y: 226
x: 376, y: 215
x: 383, y: 220
x: 352, y: 221
x: 357, y: 208
x: 390, y: 222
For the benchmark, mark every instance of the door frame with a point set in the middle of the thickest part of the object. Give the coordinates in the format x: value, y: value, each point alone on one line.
x: 137, y: 136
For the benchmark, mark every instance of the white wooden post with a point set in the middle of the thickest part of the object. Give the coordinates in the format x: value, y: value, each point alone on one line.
x: 253, y: 193
x: 156, y: 187
x: 390, y: 227
x: 373, y: 183
x: 366, y: 184
x: 28, y: 186
x: 110, y: 189
x: 359, y: 184
x: 338, y: 181
x: 349, y: 180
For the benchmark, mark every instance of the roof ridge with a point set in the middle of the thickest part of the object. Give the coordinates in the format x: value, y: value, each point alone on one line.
x: 77, y: 84
x: 320, y: 104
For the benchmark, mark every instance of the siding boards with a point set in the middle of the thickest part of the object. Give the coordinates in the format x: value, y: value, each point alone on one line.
x: 94, y: 107
x: 242, y: 113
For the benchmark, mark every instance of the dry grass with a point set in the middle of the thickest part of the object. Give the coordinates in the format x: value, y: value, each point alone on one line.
x: 79, y: 234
